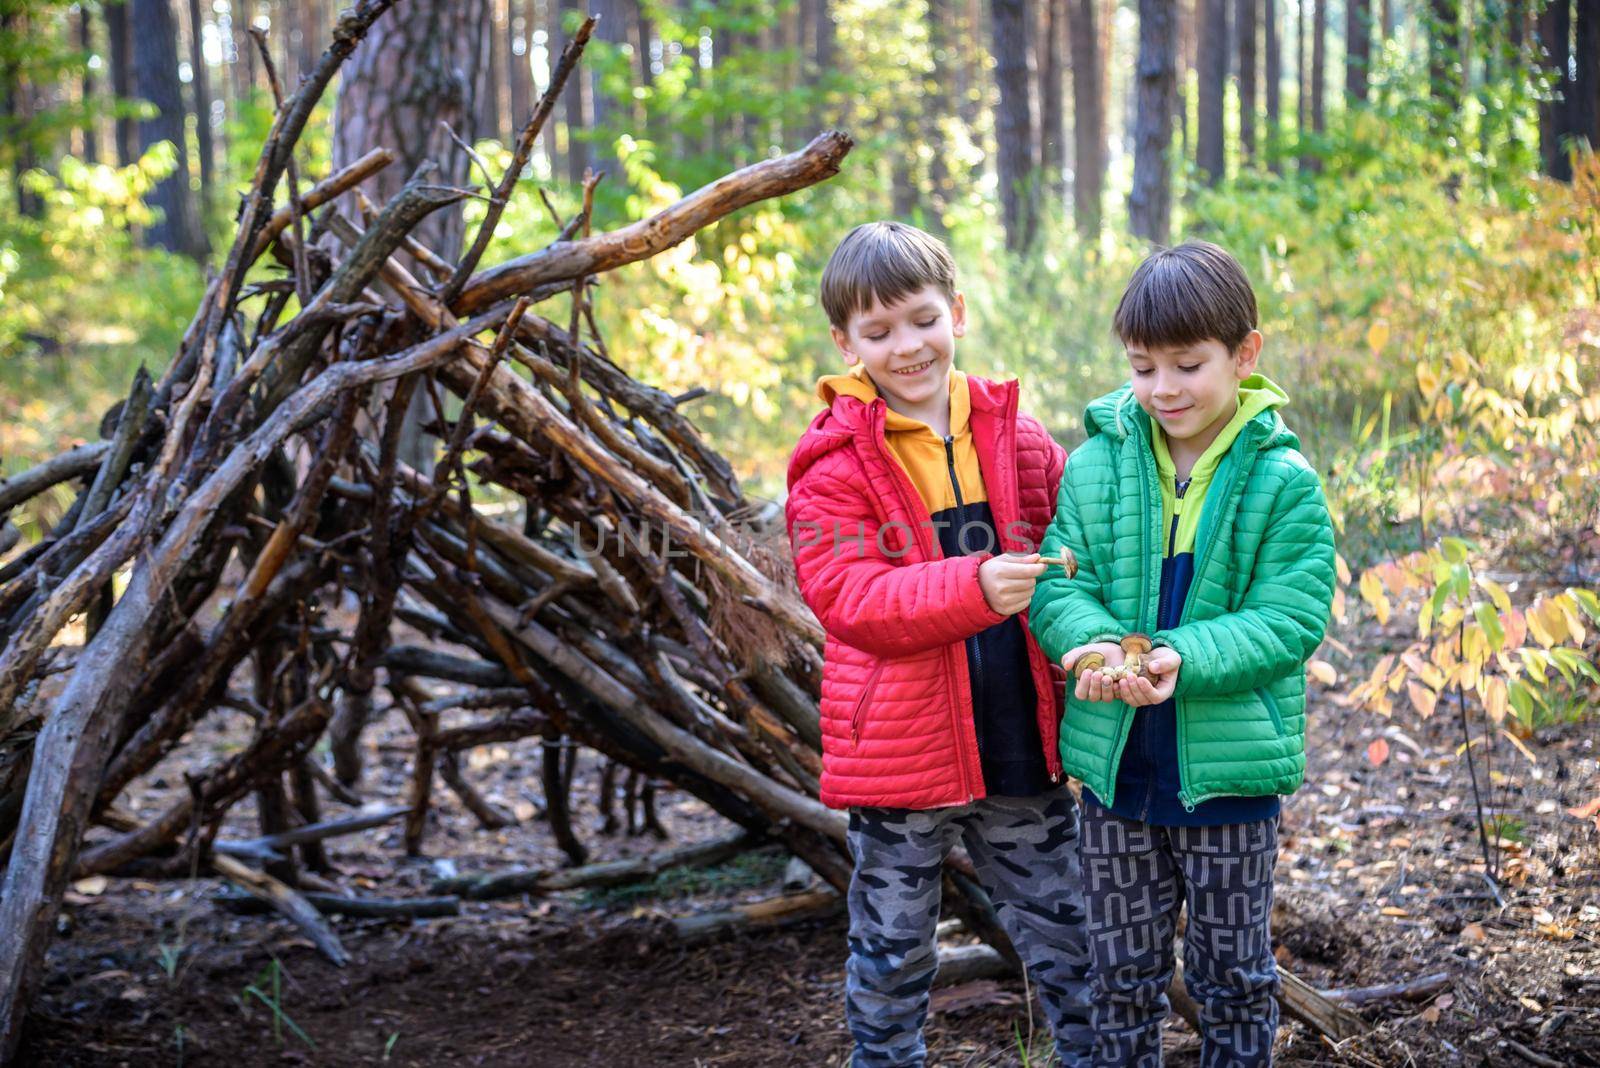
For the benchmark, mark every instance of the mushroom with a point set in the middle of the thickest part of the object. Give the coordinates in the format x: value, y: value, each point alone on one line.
x: 1089, y: 662
x: 1134, y: 648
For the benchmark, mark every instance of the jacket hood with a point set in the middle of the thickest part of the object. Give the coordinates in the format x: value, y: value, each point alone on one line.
x: 1116, y: 413
x: 850, y: 399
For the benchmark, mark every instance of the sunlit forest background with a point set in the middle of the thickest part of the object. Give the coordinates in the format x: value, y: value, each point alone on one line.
x: 1408, y: 185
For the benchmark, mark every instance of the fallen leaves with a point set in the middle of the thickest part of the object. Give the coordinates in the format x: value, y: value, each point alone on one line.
x: 1590, y: 811
x: 1377, y: 752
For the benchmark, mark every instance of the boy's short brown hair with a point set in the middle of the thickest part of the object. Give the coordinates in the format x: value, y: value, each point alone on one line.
x: 1185, y: 295
x: 883, y: 262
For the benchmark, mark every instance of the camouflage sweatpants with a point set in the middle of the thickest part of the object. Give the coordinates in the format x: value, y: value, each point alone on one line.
x: 1137, y: 876
x: 1025, y: 850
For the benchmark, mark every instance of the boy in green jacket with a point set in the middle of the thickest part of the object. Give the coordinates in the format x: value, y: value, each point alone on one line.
x: 1196, y: 522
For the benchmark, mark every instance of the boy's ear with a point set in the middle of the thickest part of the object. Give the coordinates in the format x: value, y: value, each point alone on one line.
x: 1246, y: 355
x: 958, y: 316
x: 841, y: 341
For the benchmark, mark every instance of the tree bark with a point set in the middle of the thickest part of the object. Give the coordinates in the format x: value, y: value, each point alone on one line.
x: 1274, y: 79
x: 1213, y: 76
x: 1302, y: 74
x: 1150, y: 203
x: 1244, y: 18
x: 1052, y: 118
x: 120, y: 47
x: 1357, y: 50
x: 1088, y: 118
x: 943, y: 91
x: 202, y: 105
x: 155, y: 61
x: 519, y: 69
x: 91, y: 123
x: 1319, y: 64
x: 1584, y: 113
x: 578, y: 104
x: 1015, y: 122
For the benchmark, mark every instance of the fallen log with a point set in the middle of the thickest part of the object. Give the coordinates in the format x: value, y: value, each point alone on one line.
x: 286, y: 900
x: 363, y: 908
x: 771, y: 912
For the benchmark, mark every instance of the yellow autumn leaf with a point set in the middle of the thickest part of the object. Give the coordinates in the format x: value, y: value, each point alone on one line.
x: 1372, y: 593
x: 1342, y: 568
x: 1421, y: 697
x: 1377, y: 336
x: 1323, y: 672
x: 1497, y: 594
x: 1495, y: 697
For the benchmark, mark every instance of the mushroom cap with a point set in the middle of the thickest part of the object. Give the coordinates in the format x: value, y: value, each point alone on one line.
x: 1089, y: 662
x: 1136, y: 643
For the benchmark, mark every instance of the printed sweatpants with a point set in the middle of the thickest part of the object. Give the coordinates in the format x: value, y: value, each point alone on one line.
x: 1025, y: 850
x: 1137, y: 875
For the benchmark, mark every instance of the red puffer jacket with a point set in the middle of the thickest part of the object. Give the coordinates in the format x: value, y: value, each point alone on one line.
x: 897, y: 714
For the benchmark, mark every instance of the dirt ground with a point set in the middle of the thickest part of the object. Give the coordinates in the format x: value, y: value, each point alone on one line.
x: 1379, y: 882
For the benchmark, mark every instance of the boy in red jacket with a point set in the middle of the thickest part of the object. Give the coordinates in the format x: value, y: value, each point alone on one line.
x: 916, y: 503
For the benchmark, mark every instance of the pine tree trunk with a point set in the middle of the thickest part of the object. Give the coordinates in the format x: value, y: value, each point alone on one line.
x: 1150, y: 202
x: 91, y: 131
x: 1319, y: 64
x: 1052, y: 119
x: 1015, y: 122
x: 120, y: 45
x: 1358, y: 50
x: 155, y: 76
x: 1088, y: 116
x: 1584, y: 115
x: 202, y: 104
x: 577, y: 104
x: 1244, y: 18
x: 519, y: 68
x: 1212, y: 69
x: 492, y: 119
x: 606, y: 115
x: 1274, y: 80
x: 942, y: 87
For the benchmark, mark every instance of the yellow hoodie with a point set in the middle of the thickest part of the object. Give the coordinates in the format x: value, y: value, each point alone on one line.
x: 936, y: 467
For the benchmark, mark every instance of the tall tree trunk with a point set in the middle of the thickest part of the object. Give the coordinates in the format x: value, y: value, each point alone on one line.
x: 1186, y: 19
x: 155, y: 73
x: 1319, y: 65
x: 1357, y: 50
x: 91, y: 122
x: 1088, y: 116
x: 1150, y: 202
x: 1244, y: 17
x: 942, y: 89
x: 1015, y: 122
x: 1274, y: 79
x: 578, y: 104
x: 1212, y: 69
x: 201, y: 81
x: 1584, y: 114
x: 1052, y: 116
x: 120, y: 45
x: 519, y: 68
x: 492, y: 118
x: 406, y: 79
x: 1554, y: 46
x: 1302, y: 72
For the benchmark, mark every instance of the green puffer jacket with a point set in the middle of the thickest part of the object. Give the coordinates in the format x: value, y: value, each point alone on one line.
x: 1256, y: 609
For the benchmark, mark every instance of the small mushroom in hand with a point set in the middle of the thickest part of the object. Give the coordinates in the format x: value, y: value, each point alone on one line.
x: 1066, y: 562
x: 1089, y: 662
x: 1134, y: 648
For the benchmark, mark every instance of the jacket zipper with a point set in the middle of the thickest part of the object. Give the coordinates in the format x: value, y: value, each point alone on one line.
x: 861, y: 705
x: 961, y: 545
x: 1202, y: 558
x: 934, y: 552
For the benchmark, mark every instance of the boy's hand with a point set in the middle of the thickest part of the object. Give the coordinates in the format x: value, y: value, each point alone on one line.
x: 1007, y: 581
x: 1162, y: 666
x: 1092, y: 685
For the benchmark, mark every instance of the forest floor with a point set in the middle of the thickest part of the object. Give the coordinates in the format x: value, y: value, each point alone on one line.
x: 1379, y: 881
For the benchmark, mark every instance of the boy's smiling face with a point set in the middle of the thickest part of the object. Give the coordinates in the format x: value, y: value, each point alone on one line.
x: 907, y: 347
x: 1192, y: 391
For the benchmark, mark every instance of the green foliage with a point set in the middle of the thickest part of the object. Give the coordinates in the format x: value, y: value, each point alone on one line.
x: 81, y: 306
